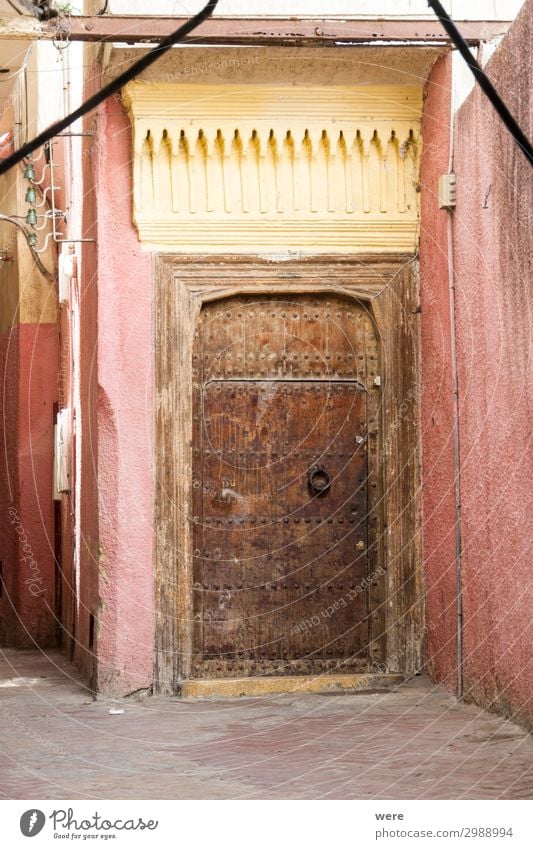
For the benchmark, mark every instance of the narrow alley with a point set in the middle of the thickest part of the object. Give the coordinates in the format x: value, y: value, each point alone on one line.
x: 414, y: 742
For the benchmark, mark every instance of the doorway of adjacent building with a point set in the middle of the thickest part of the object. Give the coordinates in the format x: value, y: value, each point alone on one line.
x: 284, y: 550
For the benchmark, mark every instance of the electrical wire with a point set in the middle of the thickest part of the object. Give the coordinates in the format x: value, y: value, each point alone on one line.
x: 5, y: 78
x: 16, y: 8
x: 109, y: 89
x: 11, y: 219
x: 484, y: 83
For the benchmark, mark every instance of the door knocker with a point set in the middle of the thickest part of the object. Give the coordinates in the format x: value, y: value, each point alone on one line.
x: 319, y: 480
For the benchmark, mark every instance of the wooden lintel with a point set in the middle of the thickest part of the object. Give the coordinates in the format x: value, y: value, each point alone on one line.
x: 130, y: 29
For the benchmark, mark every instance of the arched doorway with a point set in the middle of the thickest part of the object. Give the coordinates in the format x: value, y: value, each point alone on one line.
x: 299, y: 359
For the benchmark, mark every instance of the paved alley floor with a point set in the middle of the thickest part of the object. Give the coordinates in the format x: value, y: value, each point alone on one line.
x: 415, y: 742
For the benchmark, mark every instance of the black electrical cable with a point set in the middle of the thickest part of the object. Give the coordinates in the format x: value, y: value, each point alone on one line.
x: 109, y: 89
x: 16, y: 8
x: 12, y: 219
x: 485, y: 84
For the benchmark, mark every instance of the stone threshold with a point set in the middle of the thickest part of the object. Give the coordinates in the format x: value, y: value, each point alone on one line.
x: 260, y: 686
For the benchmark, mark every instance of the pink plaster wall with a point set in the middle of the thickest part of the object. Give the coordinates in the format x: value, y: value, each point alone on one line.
x: 493, y: 264
x: 83, y: 553
x: 438, y: 512
x: 123, y: 359
x: 28, y: 364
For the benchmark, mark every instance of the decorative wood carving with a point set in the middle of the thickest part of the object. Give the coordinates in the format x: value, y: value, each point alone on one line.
x: 388, y: 287
x: 257, y: 168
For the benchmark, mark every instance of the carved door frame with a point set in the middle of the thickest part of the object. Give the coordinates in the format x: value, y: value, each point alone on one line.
x: 388, y: 287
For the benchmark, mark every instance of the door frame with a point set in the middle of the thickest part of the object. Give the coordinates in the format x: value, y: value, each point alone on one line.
x: 387, y: 285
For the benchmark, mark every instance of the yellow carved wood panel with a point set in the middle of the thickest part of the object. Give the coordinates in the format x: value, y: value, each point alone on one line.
x: 252, y: 168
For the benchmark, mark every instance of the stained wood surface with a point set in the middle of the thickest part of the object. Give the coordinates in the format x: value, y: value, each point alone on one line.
x: 132, y: 29
x: 281, y: 411
x: 385, y: 288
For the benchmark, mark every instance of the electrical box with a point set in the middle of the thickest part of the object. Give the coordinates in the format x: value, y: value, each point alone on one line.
x: 66, y: 271
x: 447, y: 185
x: 62, y: 452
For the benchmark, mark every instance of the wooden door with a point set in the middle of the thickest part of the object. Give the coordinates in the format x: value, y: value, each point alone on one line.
x: 280, y: 487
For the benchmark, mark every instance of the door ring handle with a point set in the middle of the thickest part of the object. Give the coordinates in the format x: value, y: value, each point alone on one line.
x: 319, y: 480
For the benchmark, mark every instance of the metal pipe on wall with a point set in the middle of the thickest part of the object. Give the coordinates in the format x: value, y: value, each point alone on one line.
x: 455, y: 412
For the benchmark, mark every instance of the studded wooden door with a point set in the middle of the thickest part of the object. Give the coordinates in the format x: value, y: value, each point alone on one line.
x: 280, y: 486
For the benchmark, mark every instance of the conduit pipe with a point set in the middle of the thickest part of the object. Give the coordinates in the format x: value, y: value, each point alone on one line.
x: 455, y: 411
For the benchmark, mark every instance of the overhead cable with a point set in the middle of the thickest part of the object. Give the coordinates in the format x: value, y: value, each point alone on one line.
x: 111, y: 88
x: 484, y: 82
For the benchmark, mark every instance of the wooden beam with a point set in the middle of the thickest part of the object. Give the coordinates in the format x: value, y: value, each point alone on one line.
x: 130, y: 29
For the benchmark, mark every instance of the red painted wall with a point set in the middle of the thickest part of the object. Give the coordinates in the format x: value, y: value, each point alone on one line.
x: 28, y: 363
x: 28, y: 391
x: 438, y: 511
x: 493, y: 265
x: 9, y: 484
x: 119, y: 430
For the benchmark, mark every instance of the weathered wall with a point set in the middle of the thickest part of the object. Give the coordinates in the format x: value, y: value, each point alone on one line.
x: 493, y: 265
x: 119, y: 287
x: 29, y: 356
x: 28, y: 366
x: 460, y: 9
x: 438, y: 510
